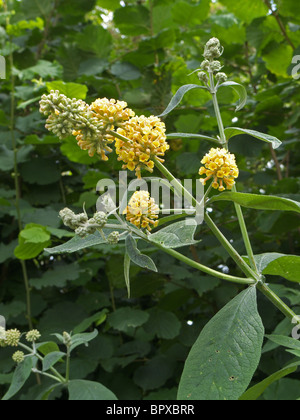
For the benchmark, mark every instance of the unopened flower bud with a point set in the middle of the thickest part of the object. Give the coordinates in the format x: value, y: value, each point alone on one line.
x: 18, y: 357
x: 203, y: 76
x: 113, y: 238
x: 205, y: 65
x: 221, y: 77
x: 215, y: 65
x: 33, y: 336
x: 13, y: 337
x: 100, y: 218
x: 67, y: 339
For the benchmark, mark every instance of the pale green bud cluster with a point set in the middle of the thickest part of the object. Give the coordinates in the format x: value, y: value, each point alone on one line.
x: 32, y: 336
x: 82, y: 225
x: 18, y: 357
x: 211, y: 65
x: 213, y: 49
x: 113, y: 238
x: 67, y: 339
x: 67, y: 117
x: 12, y: 338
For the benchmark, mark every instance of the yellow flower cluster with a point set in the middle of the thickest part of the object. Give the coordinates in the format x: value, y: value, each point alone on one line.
x: 147, y: 138
x: 142, y: 211
x: 106, y: 115
x: 221, y: 166
x: 111, y: 112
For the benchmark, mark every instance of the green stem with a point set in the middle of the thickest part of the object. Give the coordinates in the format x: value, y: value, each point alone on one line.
x: 16, y: 175
x: 41, y: 359
x: 213, y: 92
x: 68, y: 363
x: 230, y: 249
x: 288, y: 312
x: 238, y: 208
x: 227, y: 245
x: 205, y: 269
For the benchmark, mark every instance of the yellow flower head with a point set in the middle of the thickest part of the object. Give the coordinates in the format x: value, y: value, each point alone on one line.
x: 147, y: 138
x: 219, y: 165
x: 105, y: 115
x: 111, y: 112
x: 142, y: 211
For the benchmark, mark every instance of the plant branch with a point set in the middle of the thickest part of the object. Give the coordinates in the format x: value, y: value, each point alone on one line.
x: 280, y: 23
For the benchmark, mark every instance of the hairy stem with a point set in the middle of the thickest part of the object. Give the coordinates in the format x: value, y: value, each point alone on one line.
x: 16, y: 174
x: 238, y: 208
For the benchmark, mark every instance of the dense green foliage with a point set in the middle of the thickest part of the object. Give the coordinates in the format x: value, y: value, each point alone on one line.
x: 143, y: 52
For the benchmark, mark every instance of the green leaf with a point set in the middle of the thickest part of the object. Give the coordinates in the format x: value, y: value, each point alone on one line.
x: 20, y: 376
x: 56, y: 276
x: 51, y: 359
x: 95, y: 39
x: 97, y: 318
x: 192, y: 136
x: 163, y: 324
x: 137, y: 257
x: 71, y: 90
x: 176, y: 235
x: 109, y: 4
x: 274, y: 264
x: 290, y: 343
x: 77, y: 244
x: 257, y: 390
x: 241, y: 91
x: 132, y: 20
x: 247, y: 10
x: 84, y: 338
x: 177, y: 98
x: 80, y: 390
x: 155, y: 373
x: 47, y: 348
x: 279, y: 67
x: 35, y: 235
x: 40, y: 171
x: 125, y: 71
x: 43, y: 69
x: 223, y: 360
x: 36, y: 8
x: 126, y: 318
x: 234, y: 131
x: 32, y: 241
x: 259, y: 202
x: 185, y: 13
x: 127, y: 261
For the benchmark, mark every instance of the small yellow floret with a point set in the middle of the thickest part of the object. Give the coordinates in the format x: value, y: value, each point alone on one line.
x: 220, y: 165
x: 142, y: 211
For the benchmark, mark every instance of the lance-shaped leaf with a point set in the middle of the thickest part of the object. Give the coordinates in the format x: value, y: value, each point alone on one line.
x: 81, y: 390
x: 20, y: 376
x: 241, y: 91
x: 274, y: 264
x: 177, y: 98
x: 259, y: 202
x: 137, y: 257
x: 77, y: 243
x: 192, y: 136
x: 176, y: 235
x: 225, y: 357
x: 127, y: 261
x: 257, y: 390
x: 235, y: 131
